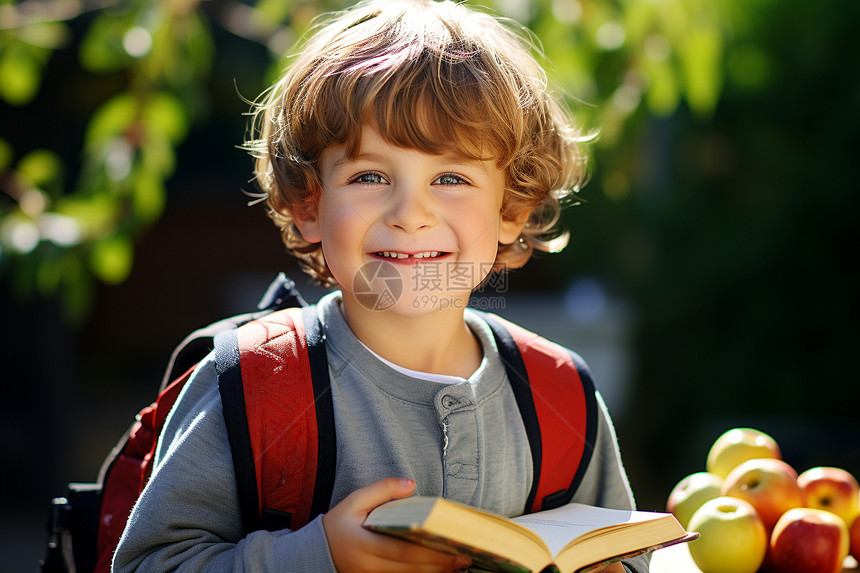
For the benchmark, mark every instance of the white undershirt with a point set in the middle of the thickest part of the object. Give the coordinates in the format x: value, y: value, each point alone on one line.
x: 431, y: 376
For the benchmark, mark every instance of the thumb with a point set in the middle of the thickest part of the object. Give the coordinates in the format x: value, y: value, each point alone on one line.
x: 364, y: 500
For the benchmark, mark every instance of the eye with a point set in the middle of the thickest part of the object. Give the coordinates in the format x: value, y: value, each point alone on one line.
x: 369, y: 178
x: 451, y: 179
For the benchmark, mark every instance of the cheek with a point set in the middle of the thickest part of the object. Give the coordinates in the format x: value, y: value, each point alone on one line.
x: 479, y: 229
x: 342, y: 222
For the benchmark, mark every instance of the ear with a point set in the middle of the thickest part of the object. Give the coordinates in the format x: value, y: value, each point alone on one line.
x: 510, y: 229
x: 308, y: 223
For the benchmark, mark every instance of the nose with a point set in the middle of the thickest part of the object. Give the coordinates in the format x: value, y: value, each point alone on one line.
x: 411, y: 208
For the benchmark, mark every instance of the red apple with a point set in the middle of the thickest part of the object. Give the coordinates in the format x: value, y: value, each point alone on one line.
x: 690, y: 493
x: 769, y: 485
x: 831, y: 489
x: 854, y: 539
x: 738, y: 445
x: 808, y: 540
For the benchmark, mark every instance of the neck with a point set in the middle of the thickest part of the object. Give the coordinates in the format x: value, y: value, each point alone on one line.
x: 439, y: 341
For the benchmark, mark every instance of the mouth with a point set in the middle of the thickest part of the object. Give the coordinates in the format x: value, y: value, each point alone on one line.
x: 398, y: 256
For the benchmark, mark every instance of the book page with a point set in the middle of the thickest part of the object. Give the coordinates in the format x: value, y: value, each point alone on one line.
x: 559, y: 526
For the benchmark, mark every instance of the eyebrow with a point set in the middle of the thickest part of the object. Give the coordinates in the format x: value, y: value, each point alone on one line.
x: 444, y: 158
x: 344, y: 159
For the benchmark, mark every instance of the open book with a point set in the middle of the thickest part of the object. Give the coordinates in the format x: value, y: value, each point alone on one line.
x: 574, y: 537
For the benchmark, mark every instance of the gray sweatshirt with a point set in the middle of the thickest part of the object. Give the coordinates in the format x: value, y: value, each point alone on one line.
x: 464, y: 441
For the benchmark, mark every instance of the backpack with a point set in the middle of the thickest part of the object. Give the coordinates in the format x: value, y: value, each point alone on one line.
x: 281, y: 348
x: 285, y: 483
x: 84, y: 525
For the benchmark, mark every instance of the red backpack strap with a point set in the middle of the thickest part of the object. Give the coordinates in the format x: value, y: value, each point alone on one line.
x: 558, y: 404
x: 273, y: 378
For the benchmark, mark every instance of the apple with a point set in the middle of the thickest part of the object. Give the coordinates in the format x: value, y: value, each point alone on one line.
x: 768, y: 484
x: 854, y: 539
x: 809, y: 540
x: 732, y: 538
x: 831, y: 489
x: 738, y: 445
x: 690, y: 493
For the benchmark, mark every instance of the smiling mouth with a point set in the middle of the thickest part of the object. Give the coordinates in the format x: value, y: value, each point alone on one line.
x: 395, y: 255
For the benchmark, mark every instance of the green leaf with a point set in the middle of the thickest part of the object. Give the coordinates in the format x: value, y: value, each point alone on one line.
x: 48, y: 274
x: 77, y: 290
x: 157, y: 155
x: 750, y: 67
x: 114, y: 117
x: 111, y: 259
x: 701, y: 54
x: 20, y: 75
x: 41, y: 166
x: 6, y: 155
x: 268, y: 14
x: 165, y: 113
x: 149, y: 197
x: 97, y: 213
x: 47, y: 35
x: 101, y: 49
x: 200, y: 45
x: 663, y: 93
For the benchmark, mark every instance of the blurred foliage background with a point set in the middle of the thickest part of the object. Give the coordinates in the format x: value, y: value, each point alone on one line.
x: 723, y: 206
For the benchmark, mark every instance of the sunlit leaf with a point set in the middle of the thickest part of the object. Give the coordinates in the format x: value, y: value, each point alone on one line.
x: 149, y: 196
x: 48, y: 35
x: 101, y: 49
x: 157, y: 155
x: 112, y: 118
x: 41, y: 166
x: 663, y: 91
x: 20, y: 75
x: 111, y: 259
x: 700, y: 60
x: 97, y: 213
x: 200, y: 45
x: 164, y: 113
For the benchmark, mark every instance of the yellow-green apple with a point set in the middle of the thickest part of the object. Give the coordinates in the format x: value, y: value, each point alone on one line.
x: 690, y: 493
x: 768, y: 484
x: 738, y: 445
x: 808, y: 540
x: 732, y: 538
x: 831, y: 489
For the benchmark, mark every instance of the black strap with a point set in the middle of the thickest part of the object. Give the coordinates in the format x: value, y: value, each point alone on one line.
x: 519, y: 380
x: 327, y: 449
x: 592, y: 416
x: 236, y: 420
x: 518, y: 377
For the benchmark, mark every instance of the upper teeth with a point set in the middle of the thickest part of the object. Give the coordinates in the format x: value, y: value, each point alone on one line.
x: 396, y: 255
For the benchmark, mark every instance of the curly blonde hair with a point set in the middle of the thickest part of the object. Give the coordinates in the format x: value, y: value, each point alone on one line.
x: 432, y: 76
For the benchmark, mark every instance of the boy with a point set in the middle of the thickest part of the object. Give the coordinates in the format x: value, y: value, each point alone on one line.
x: 410, y: 141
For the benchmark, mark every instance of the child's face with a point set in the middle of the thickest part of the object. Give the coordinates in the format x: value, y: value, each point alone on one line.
x: 432, y: 220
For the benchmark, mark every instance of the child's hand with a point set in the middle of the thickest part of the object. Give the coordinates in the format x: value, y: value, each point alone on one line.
x: 357, y: 550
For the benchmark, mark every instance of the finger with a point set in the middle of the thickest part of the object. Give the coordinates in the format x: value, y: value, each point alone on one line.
x: 398, y: 550
x: 449, y: 564
x: 363, y: 500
